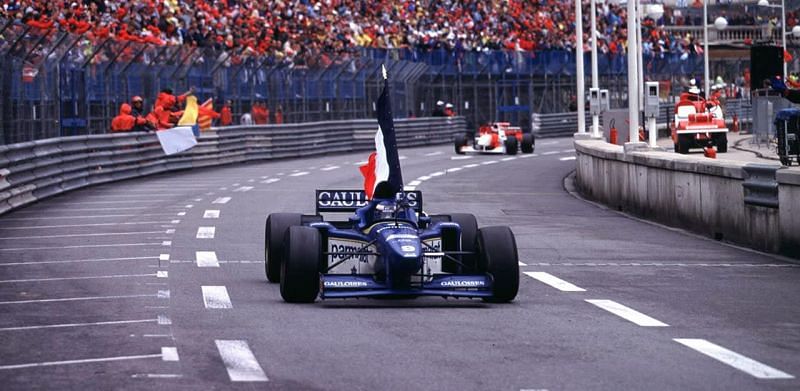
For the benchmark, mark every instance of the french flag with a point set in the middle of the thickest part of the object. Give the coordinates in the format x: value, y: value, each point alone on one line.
x: 382, y: 175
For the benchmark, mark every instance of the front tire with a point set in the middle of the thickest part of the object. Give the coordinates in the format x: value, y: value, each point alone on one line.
x: 460, y: 141
x: 528, y: 143
x: 469, y: 238
x: 277, y: 226
x: 498, y: 257
x: 511, y: 145
x: 300, y: 268
x: 721, y: 142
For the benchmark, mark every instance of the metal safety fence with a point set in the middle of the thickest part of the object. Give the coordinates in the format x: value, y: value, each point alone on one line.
x: 35, y: 170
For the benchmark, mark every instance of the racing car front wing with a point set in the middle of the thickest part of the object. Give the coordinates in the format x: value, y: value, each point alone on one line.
x: 355, y: 285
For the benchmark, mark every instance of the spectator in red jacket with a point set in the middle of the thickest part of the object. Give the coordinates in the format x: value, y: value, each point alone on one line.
x: 125, y: 122
x: 225, y: 115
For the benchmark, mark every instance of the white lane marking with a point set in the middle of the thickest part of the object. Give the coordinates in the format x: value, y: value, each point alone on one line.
x: 736, y: 360
x: 508, y: 159
x: 63, y: 325
x: 402, y: 157
x: 83, y: 225
x: 166, y: 243
x: 206, y: 232
x: 162, y: 274
x: 221, y: 200
x: 198, y: 199
x: 414, y: 183
x: 527, y: 156
x: 549, y: 143
x: 434, y: 153
x: 271, y: 180
x: 76, y: 261
x: 81, y: 361
x: 163, y: 294
x: 473, y: 165
x: 181, y: 213
x: 163, y: 257
x: 301, y: 173
x: 454, y: 169
x: 329, y: 168
x: 563, y: 159
x: 435, y: 174
x: 361, y: 163
x: 78, y: 246
x: 164, y: 320
x: 170, y: 231
x: 76, y: 299
x: 550, y: 153
x: 175, y: 222
x: 169, y: 353
x: 211, y: 214
x: 281, y: 174
x: 240, y: 361
x: 157, y: 375
x: 114, y: 202
x: 627, y: 313
x: 190, y: 206
x: 555, y: 282
x: 521, y: 263
x: 223, y: 188
x: 236, y: 184
x: 460, y: 157
x: 568, y: 150
x: 76, y: 278
x: 216, y: 296
x: 410, y: 188
x: 83, y: 217
x: 206, y: 259
x: 80, y: 235
x: 243, y: 189
x: 489, y: 162
x: 424, y: 178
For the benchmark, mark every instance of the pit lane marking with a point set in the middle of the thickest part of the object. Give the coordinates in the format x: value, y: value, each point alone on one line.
x: 81, y: 361
x: 77, y: 278
x: 206, y: 232
x: 76, y: 261
x: 270, y: 180
x: 508, y: 159
x: 627, y: 313
x: 301, y: 173
x: 243, y: 189
x: 84, y: 217
x: 87, y: 324
x: 554, y: 282
x: 563, y: 159
x: 568, y: 150
x: 731, y: 358
x: 85, y: 298
x: 550, y: 153
x: 169, y: 354
x: 415, y: 183
x: 329, y: 168
x: 434, y: 153
x: 216, y: 297
x: 79, y: 246
x: 486, y: 163
x: 211, y: 214
x: 240, y: 362
x: 206, y: 259
x: 221, y: 200
x: 473, y: 165
x: 87, y: 225
x: 460, y: 157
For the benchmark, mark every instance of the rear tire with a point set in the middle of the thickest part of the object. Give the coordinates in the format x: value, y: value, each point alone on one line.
x: 300, y: 268
x: 469, y: 238
x: 460, y: 141
x: 498, y: 257
x: 721, y: 143
x: 683, y: 145
x: 277, y: 226
x: 511, y: 145
x: 528, y: 144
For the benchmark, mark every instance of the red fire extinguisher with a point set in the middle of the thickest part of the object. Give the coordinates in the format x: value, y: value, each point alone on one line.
x: 613, y: 133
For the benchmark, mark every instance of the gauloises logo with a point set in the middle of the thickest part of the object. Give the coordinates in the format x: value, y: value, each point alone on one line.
x: 350, y: 200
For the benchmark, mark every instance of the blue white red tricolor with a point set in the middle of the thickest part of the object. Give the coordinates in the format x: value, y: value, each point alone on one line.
x: 382, y: 175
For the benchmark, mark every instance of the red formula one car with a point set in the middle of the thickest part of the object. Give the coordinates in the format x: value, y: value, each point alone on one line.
x: 498, y: 137
x: 698, y: 123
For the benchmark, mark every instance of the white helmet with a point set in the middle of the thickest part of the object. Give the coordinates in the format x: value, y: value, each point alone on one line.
x: 439, y: 103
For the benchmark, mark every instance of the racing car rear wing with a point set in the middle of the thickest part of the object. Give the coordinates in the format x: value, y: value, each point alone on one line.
x: 343, y: 201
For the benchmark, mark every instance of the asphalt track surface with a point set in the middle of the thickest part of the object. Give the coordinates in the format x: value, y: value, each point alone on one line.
x: 135, y: 285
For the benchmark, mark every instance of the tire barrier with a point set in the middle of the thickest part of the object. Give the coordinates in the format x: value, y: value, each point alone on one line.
x: 755, y: 205
x: 39, y: 169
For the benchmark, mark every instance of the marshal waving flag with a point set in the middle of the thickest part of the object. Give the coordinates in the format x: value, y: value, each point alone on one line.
x: 183, y: 136
x: 382, y: 175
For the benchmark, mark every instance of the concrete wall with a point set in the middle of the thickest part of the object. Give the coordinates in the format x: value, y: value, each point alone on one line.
x: 701, y: 195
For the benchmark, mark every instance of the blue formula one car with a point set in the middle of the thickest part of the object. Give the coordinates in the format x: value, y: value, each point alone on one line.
x: 388, y: 248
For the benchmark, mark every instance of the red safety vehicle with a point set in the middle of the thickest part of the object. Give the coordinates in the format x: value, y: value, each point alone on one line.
x: 699, y: 123
x: 497, y: 137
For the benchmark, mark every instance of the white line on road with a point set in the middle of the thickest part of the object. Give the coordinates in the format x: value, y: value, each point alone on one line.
x: 240, y: 361
x: 563, y: 159
x: 435, y: 174
x: 79, y: 235
x: 489, y: 162
x: 162, y: 274
x: 216, y: 296
x: 555, y: 282
x: 175, y: 222
x: 527, y: 156
x: 211, y: 214
x: 164, y: 320
x: 550, y: 153
x: 627, y: 313
x: 189, y: 206
x: 76, y: 299
x: 114, y: 202
x: 414, y: 183
x: 329, y: 168
x: 79, y: 246
x: 568, y: 150
x: 206, y: 232
x: 83, y: 217
x: 243, y: 189
x: 170, y: 231
x: 549, y: 143
x: 82, y: 225
x: 181, y: 213
x: 56, y: 326
x: 169, y: 353
x: 460, y: 157
x: 77, y: 261
x: 166, y: 243
x: 434, y: 153
x: 82, y: 361
x: 508, y: 159
x: 301, y: 173
x: 163, y: 257
x: 736, y: 360
x: 454, y: 169
x: 221, y: 200
x: 271, y: 180
x: 206, y: 259
x: 361, y: 163
x: 76, y: 278
x: 424, y: 178
x: 521, y: 263
x: 402, y: 158
x: 157, y: 375
x: 473, y: 165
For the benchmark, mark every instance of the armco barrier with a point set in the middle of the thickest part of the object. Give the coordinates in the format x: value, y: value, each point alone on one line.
x: 38, y: 169
x: 751, y: 204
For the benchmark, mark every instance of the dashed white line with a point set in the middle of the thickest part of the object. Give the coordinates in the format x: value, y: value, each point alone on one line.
x: 301, y: 173
x: 83, y: 225
x: 528, y: 155
x: 434, y: 153
x: 166, y: 243
x: 473, y: 165
x: 164, y: 320
x: 460, y: 157
x: 157, y: 375
x: 170, y: 231
x: 175, y: 222
x: 84, y: 217
x: 80, y: 235
x: 77, y: 261
x: 76, y: 278
x: 243, y: 189
x: 402, y: 157
x: 486, y: 163
x: 521, y: 263
x: 64, y: 325
x: 414, y: 183
x: 82, y: 361
x: 454, y: 169
x: 181, y: 213
x: 555, y: 282
x: 736, y: 360
x: 169, y: 354
x: 410, y: 188
x: 550, y: 153
x: 508, y: 159
x: 271, y: 180
x: 627, y: 313
x: 206, y: 232
x: 162, y: 274
x: 568, y: 150
x: 361, y: 163
x: 329, y: 168
x: 211, y: 214
x: 78, y: 246
x: 206, y: 259
x: 221, y: 200
x: 76, y: 299
x: 424, y: 178
x: 435, y: 174
x: 563, y: 159
x: 189, y: 206
x: 240, y: 361
x: 216, y: 297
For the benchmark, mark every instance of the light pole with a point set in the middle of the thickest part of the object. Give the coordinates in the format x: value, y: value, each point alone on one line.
x: 595, y: 82
x: 720, y: 23
x: 633, y: 82
x: 784, y: 33
x: 579, y: 67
